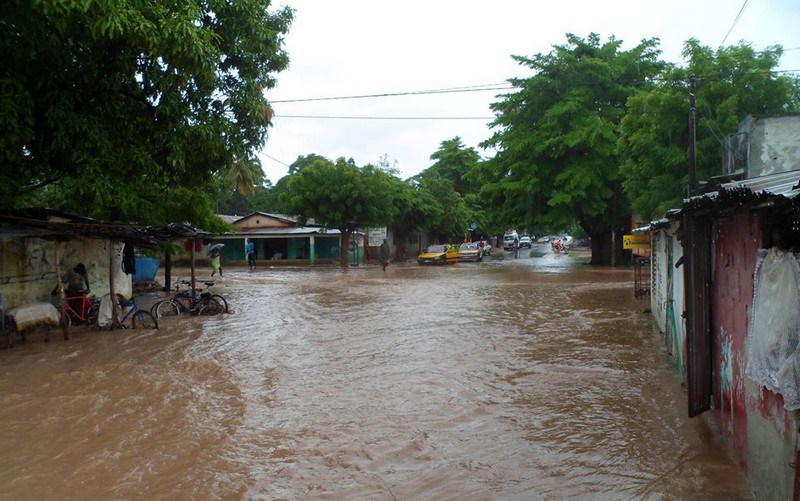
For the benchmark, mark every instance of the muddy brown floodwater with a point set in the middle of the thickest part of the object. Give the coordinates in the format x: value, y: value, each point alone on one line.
x: 534, y: 378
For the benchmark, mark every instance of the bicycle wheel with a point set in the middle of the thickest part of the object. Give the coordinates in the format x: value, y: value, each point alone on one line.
x: 210, y: 306
x: 91, y: 313
x: 165, y: 308
x: 66, y: 318
x: 143, y: 320
x: 221, y: 301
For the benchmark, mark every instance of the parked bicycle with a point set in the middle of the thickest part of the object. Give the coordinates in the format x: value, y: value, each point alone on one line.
x: 135, y: 317
x: 79, y: 309
x: 186, y: 300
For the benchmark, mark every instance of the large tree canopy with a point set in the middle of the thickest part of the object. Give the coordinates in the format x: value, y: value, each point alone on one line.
x: 109, y: 105
x: 342, y: 195
x: 732, y: 82
x: 556, y: 139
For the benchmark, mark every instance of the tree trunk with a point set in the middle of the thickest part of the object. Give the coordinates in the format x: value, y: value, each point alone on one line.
x: 602, y: 251
x: 344, y: 251
x: 601, y: 248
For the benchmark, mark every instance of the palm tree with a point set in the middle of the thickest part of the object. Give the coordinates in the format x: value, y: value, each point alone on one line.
x: 245, y: 175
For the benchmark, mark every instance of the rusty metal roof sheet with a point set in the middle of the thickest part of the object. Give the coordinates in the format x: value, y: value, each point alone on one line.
x: 57, y: 225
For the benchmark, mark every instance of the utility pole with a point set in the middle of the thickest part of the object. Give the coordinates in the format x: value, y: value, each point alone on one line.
x: 692, y: 135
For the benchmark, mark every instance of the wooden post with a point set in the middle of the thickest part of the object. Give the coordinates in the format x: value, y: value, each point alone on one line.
x: 194, y: 242
x: 167, y: 271
x: 692, y: 136
x: 111, y: 292
x: 62, y: 299
x: 613, y: 246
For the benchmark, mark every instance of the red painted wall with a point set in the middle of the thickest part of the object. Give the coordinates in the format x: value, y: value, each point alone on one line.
x: 737, y: 244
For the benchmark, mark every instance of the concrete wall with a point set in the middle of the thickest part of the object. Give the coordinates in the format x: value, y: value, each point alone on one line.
x: 774, y: 144
x: 28, y: 271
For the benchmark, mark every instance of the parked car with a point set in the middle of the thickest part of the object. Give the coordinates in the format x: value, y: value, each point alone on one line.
x: 509, y: 238
x: 525, y: 241
x: 470, y: 251
x: 439, y: 254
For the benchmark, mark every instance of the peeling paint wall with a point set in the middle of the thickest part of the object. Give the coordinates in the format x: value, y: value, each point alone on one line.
x: 752, y: 419
x: 732, y: 296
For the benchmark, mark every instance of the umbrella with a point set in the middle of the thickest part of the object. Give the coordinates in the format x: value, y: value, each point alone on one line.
x: 214, y: 248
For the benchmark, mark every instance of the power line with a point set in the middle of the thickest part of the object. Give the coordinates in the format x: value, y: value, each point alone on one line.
x: 479, y: 88
x: 354, y: 117
x: 452, y: 90
x: 738, y: 16
x: 275, y: 159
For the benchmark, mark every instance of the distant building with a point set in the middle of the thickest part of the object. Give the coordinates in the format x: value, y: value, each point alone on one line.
x: 281, y: 239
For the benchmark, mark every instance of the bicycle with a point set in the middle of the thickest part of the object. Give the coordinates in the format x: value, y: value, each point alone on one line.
x: 188, y: 301
x: 74, y: 309
x: 135, y: 317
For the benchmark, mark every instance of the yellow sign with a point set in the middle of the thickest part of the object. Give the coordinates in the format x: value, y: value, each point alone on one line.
x: 637, y: 241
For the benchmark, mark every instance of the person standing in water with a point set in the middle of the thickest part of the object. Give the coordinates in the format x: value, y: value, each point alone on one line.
x: 384, y: 254
x: 216, y: 264
x: 250, y: 249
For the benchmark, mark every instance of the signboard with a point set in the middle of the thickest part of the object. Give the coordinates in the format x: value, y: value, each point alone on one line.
x: 637, y: 241
x: 375, y: 236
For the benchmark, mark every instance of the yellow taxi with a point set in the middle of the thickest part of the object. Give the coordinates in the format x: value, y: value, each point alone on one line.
x: 470, y: 251
x: 439, y: 254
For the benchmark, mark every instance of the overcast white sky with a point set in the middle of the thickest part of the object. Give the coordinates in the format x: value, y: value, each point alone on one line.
x: 366, y: 47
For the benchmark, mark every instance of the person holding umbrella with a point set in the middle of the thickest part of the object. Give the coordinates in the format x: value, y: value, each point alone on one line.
x: 215, y: 253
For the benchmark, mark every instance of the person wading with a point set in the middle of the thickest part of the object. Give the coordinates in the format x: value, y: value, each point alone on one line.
x: 384, y: 254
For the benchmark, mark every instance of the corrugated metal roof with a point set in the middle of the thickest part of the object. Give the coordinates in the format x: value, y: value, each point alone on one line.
x: 747, y: 191
x: 785, y: 184
x: 282, y: 232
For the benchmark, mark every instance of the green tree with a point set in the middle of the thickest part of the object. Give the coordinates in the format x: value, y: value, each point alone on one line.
x: 449, y: 217
x: 415, y: 208
x: 446, y: 193
x: 454, y: 161
x: 556, y: 138
x: 132, y: 105
x: 341, y: 195
x: 732, y: 82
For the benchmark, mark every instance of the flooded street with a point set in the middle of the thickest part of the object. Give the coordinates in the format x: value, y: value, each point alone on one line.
x: 535, y: 378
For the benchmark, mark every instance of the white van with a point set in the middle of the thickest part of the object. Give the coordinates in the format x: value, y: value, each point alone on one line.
x: 508, y: 239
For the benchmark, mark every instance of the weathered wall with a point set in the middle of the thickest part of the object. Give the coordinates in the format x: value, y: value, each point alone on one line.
x: 256, y: 221
x: 667, y: 295
x: 774, y: 144
x: 658, y: 282
x: 676, y: 320
x: 28, y: 271
x: 732, y: 296
x: 752, y: 420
